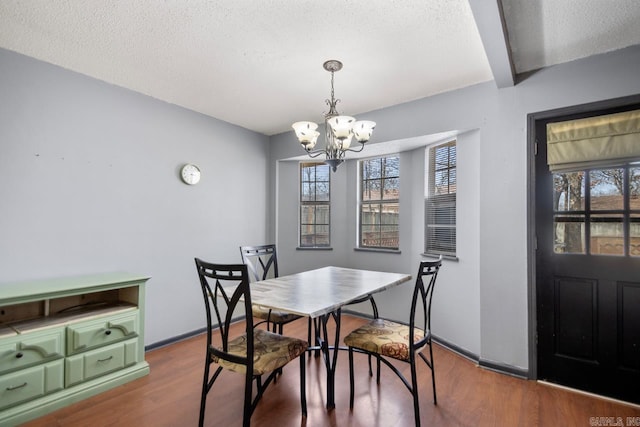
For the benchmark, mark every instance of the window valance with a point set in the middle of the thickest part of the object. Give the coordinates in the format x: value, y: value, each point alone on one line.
x: 593, y: 141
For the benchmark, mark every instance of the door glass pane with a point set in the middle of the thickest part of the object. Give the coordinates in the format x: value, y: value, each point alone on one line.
x: 634, y: 188
x: 568, y: 233
x: 568, y: 191
x: 606, y: 186
x: 634, y: 205
x: 607, y: 235
x: 634, y: 235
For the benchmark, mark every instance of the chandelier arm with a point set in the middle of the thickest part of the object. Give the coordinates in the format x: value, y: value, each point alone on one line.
x: 356, y: 151
x: 315, y: 153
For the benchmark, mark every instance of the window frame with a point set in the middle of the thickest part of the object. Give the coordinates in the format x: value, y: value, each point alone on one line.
x: 380, y: 202
x: 313, y: 203
x: 438, y: 203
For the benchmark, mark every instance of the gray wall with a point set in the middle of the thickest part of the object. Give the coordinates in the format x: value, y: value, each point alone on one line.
x: 482, y: 298
x: 89, y: 182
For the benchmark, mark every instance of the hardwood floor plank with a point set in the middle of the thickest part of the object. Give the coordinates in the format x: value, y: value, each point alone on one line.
x: 467, y: 396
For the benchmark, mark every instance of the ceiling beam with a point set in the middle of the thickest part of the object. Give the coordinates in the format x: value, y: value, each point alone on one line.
x: 492, y: 27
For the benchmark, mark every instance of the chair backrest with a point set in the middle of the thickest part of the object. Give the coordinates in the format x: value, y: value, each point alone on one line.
x: 225, y: 287
x: 420, y: 316
x: 262, y: 261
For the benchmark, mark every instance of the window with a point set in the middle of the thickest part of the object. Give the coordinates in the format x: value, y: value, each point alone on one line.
x: 597, y: 211
x: 440, y: 202
x: 314, y: 205
x: 379, y: 203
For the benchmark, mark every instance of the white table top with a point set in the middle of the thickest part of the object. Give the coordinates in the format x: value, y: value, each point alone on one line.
x: 317, y: 292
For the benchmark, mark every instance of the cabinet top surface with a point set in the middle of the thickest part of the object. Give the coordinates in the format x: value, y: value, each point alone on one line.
x: 45, y: 287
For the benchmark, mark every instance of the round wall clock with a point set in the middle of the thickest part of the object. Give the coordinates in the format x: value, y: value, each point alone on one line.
x: 190, y: 174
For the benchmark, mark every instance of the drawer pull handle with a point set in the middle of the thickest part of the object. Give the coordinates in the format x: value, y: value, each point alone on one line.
x: 17, y: 387
x: 105, y: 360
x: 19, y: 355
x: 107, y: 332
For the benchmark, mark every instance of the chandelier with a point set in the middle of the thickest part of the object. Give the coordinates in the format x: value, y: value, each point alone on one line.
x: 339, y: 130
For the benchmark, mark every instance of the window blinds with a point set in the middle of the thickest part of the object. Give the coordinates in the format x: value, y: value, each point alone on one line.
x: 593, y: 141
x: 440, y: 204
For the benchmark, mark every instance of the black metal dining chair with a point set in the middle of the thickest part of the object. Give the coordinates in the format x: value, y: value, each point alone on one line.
x: 262, y: 262
x: 254, y: 353
x: 388, y: 340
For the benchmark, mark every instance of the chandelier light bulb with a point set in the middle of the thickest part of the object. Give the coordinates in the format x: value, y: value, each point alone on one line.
x: 341, y: 126
x: 362, y: 130
x: 346, y: 142
x: 308, y: 145
x: 304, y: 131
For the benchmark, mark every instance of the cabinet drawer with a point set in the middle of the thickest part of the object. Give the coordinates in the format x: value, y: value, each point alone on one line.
x: 92, y: 364
x: 88, y: 335
x: 27, y: 384
x: 30, y: 349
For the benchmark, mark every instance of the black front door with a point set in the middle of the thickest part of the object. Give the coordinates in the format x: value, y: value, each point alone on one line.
x: 588, y: 272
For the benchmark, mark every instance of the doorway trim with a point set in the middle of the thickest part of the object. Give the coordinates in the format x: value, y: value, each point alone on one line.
x: 532, y: 141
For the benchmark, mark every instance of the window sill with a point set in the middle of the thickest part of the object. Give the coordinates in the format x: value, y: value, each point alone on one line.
x: 444, y: 257
x: 380, y: 250
x: 314, y: 248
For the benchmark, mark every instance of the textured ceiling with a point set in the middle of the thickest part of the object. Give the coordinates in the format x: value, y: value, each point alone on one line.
x: 548, y: 32
x: 258, y: 64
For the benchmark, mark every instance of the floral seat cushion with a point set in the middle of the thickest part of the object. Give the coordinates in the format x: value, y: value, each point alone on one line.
x: 274, y: 316
x: 271, y: 351
x: 384, y: 337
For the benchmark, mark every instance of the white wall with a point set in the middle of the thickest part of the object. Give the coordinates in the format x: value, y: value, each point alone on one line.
x: 486, y: 302
x: 89, y: 182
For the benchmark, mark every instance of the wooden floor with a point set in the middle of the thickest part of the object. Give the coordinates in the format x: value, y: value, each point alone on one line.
x: 467, y: 396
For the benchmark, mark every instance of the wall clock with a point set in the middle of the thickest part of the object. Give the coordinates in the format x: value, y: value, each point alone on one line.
x: 190, y: 174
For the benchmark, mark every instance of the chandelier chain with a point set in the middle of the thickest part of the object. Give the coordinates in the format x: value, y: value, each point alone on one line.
x: 332, y: 92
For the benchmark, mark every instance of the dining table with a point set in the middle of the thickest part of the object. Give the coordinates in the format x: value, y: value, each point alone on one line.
x: 320, y: 295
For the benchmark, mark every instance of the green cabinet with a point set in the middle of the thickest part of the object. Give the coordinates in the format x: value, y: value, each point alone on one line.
x: 65, y: 339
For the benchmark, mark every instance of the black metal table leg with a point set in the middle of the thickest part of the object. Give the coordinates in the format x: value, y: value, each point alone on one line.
x: 330, y: 359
